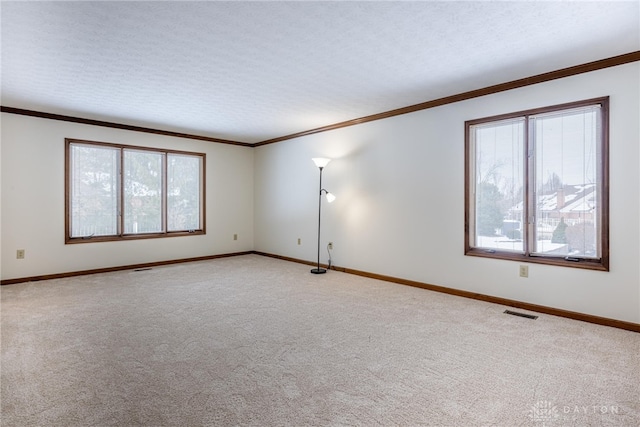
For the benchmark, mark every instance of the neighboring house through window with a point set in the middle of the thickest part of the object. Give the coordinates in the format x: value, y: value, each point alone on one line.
x: 537, y: 185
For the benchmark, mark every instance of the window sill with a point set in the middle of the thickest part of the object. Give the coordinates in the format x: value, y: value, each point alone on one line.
x: 95, y: 239
x: 588, y: 264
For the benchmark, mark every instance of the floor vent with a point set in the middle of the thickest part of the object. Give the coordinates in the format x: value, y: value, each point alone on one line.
x: 142, y: 269
x: 515, y: 313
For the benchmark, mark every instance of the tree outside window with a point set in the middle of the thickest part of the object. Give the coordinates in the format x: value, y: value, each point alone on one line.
x: 536, y: 185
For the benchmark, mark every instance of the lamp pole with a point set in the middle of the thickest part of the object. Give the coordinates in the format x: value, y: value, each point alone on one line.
x: 319, y: 270
x: 321, y: 162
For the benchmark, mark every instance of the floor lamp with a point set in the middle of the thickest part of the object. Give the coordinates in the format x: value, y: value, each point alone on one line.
x: 321, y: 163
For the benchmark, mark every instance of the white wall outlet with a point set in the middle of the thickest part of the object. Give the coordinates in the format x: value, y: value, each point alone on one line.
x: 20, y: 254
x: 330, y: 245
x: 299, y: 241
x: 235, y: 237
x: 524, y: 271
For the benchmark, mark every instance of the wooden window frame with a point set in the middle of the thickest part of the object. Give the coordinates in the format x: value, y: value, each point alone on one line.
x: 601, y: 263
x: 121, y: 234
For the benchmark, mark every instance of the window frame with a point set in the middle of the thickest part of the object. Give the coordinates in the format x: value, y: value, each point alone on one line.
x: 121, y: 234
x: 601, y: 263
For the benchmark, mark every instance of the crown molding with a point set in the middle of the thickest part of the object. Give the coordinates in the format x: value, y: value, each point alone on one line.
x: 514, y: 84
x: 113, y: 125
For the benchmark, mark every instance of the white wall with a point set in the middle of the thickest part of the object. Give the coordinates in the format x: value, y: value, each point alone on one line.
x: 399, y: 212
x: 400, y: 206
x: 32, y: 213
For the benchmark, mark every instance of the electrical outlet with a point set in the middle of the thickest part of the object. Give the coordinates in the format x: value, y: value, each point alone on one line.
x: 330, y: 245
x: 20, y: 254
x: 235, y: 237
x: 299, y: 241
x: 524, y: 271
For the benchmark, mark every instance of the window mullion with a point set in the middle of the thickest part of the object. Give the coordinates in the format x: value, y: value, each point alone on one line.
x: 602, y: 199
x: 529, y: 187
x: 121, y: 193
x: 164, y: 192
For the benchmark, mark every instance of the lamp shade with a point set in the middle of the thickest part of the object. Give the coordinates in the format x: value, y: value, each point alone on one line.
x: 321, y: 161
x: 330, y: 197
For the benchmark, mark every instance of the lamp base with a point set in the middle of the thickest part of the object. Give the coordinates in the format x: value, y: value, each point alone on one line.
x: 318, y: 271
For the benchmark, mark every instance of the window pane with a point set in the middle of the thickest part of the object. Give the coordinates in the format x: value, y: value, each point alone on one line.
x: 93, y: 190
x: 499, y: 179
x: 183, y: 192
x: 566, y: 180
x: 142, y: 192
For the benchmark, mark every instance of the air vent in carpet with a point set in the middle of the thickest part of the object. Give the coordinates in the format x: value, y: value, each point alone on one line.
x: 515, y: 313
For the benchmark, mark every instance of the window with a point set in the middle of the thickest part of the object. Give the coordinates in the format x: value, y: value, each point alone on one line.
x: 118, y: 192
x: 536, y: 186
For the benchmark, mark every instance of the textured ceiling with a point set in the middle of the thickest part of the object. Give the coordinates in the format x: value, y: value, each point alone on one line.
x: 252, y: 71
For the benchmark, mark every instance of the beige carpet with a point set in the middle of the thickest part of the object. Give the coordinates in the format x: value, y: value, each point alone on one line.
x: 256, y: 341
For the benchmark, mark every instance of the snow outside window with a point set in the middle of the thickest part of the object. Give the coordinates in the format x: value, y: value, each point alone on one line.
x: 536, y: 185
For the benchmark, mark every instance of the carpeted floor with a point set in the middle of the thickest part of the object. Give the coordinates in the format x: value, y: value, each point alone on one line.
x: 256, y: 341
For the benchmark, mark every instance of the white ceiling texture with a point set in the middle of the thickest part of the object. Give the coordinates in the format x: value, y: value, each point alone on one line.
x: 252, y: 71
